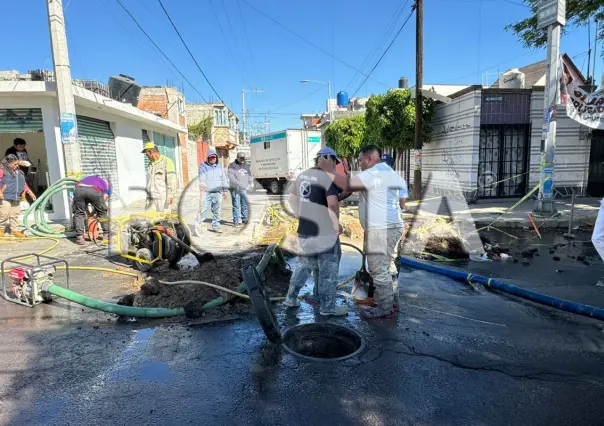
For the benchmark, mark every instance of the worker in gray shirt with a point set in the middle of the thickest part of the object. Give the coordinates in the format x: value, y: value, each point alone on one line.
x: 240, y: 179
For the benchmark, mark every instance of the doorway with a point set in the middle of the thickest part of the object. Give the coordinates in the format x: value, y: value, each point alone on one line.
x: 502, y: 160
x: 595, y: 181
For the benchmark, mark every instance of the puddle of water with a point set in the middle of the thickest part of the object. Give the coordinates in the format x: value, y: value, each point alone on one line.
x: 146, y: 370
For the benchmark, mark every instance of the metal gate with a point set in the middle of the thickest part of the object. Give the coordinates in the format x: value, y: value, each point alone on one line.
x: 502, y: 161
x: 97, y: 149
x: 19, y: 120
x: 595, y: 182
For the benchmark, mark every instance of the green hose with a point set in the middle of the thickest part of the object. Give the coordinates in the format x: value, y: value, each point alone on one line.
x: 266, y: 258
x: 40, y: 226
x: 133, y: 311
x: 130, y: 311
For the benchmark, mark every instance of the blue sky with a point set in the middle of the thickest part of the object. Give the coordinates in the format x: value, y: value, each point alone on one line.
x: 463, y: 39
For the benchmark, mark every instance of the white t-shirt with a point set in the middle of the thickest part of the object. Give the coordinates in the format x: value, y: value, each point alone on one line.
x: 597, y: 237
x: 379, y: 204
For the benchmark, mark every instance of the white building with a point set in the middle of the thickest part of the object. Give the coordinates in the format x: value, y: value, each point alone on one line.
x: 111, y: 133
x: 486, y: 135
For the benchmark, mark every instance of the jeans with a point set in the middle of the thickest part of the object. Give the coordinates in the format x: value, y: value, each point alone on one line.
x: 213, y: 201
x: 381, y: 261
x: 240, y: 201
x: 324, y: 267
x: 84, y: 195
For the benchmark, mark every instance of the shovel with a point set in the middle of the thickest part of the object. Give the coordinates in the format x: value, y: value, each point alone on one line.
x: 363, y: 290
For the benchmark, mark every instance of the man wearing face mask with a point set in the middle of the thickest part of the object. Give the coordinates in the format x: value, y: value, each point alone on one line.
x: 314, y: 198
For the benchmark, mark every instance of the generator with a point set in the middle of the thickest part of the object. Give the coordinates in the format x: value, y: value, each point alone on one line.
x: 24, y: 284
x: 149, y: 238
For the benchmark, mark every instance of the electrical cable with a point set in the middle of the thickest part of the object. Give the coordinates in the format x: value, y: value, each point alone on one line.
x: 331, y: 55
x: 233, y: 56
x: 189, y: 50
x: 247, y: 40
x: 386, y: 51
x: 160, y: 50
x: 382, y: 40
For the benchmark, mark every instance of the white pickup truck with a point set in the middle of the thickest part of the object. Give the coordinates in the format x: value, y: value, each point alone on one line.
x: 279, y: 157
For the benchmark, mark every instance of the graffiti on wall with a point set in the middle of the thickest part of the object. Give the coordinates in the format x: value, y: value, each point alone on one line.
x: 450, y: 160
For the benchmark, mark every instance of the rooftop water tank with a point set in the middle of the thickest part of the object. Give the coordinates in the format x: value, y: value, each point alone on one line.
x: 342, y: 99
x: 124, y: 89
x: 512, y: 79
x: 403, y: 83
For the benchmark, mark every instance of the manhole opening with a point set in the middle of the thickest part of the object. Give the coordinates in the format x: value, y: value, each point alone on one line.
x: 322, y: 342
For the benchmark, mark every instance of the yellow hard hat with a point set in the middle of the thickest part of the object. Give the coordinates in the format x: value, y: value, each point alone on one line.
x: 148, y: 145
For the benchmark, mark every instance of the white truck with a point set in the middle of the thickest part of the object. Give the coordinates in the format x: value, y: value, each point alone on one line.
x: 279, y: 157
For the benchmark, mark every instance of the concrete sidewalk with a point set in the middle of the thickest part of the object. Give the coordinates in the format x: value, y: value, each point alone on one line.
x: 497, y: 212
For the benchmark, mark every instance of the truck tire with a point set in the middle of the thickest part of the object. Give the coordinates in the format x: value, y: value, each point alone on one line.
x: 274, y: 187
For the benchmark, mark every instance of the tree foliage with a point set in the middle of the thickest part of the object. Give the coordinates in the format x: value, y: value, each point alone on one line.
x: 346, y: 136
x: 390, y: 119
x: 202, y: 129
x: 578, y: 14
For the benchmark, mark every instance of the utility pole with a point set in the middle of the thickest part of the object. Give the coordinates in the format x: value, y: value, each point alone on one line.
x: 67, y: 112
x: 551, y: 14
x: 419, y: 63
x: 243, y: 107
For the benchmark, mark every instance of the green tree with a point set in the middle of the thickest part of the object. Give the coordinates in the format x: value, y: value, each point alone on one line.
x: 390, y: 119
x: 202, y: 129
x: 346, y: 135
x: 578, y: 14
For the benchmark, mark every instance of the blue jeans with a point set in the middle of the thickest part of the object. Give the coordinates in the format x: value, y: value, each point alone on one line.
x: 324, y: 267
x: 240, y: 201
x: 213, y: 201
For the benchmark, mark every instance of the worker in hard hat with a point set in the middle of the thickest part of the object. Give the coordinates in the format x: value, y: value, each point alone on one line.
x: 161, y: 179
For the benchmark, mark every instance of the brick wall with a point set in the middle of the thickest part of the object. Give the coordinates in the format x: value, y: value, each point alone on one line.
x: 154, y: 104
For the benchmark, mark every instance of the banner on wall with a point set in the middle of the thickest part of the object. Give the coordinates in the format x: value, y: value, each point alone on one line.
x: 583, y: 107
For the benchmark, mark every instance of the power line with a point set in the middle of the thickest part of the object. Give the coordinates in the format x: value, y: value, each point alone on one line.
x: 385, y: 35
x: 247, y: 40
x: 188, y: 50
x: 385, y: 51
x: 236, y: 61
x: 331, y: 55
x: 300, y: 99
x: 160, y: 50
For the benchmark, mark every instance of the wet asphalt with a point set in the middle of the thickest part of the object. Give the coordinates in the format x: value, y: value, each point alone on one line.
x: 455, y: 355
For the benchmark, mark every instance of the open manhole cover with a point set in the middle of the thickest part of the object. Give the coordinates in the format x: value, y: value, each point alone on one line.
x: 314, y: 341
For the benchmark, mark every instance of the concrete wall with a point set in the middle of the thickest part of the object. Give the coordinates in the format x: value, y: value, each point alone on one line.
x: 571, y: 163
x: 453, y: 152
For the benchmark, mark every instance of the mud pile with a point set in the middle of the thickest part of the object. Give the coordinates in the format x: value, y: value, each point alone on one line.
x: 224, y: 271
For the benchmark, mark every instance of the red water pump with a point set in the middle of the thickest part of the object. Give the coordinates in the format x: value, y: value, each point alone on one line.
x: 27, y: 283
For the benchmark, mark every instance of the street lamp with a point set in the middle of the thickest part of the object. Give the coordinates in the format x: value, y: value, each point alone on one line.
x: 328, y: 93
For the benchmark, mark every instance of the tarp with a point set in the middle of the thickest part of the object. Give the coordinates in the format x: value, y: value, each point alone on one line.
x: 583, y: 107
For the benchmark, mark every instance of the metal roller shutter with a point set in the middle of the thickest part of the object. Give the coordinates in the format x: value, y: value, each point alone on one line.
x: 97, y: 149
x: 18, y: 120
x: 145, y: 140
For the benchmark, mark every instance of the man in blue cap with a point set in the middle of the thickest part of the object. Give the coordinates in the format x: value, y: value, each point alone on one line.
x: 314, y: 199
x: 388, y: 159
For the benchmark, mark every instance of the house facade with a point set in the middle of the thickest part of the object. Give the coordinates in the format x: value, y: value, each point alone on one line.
x: 224, y: 134
x: 111, y: 139
x: 488, y: 139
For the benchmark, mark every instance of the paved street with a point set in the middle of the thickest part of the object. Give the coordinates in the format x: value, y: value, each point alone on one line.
x: 453, y: 356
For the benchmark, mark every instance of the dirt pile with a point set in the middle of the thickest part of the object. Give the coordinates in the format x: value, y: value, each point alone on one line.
x: 225, y: 271
x: 439, y: 237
